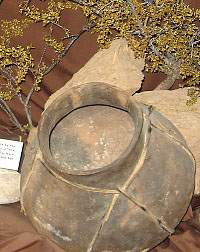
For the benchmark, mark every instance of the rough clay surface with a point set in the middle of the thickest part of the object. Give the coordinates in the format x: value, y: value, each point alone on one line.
x: 116, y: 66
x: 172, y: 104
x: 88, y: 138
x: 9, y: 186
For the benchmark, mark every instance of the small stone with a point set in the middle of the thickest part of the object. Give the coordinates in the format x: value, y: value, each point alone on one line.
x: 9, y: 186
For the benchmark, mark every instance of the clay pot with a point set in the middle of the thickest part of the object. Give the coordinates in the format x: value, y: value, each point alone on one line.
x: 130, y: 198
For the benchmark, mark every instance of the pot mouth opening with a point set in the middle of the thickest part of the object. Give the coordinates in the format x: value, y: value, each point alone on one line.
x: 92, y: 137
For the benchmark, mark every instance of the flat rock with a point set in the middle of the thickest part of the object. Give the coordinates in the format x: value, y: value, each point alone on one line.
x: 172, y: 104
x: 116, y: 65
x: 9, y: 186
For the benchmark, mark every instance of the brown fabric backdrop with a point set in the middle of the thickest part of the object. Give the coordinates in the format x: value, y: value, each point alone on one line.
x: 16, y: 232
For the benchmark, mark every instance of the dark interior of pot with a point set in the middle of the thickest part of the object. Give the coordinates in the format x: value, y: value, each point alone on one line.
x: 91, y: 137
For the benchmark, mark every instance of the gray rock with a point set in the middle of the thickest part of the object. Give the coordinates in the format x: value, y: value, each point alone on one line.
x: 9, y: 186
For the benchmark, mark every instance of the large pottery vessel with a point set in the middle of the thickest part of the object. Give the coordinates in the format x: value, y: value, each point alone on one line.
x: 104, y: 173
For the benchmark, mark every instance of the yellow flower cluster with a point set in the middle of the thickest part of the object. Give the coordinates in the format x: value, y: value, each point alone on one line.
x: 194, y: 94
x: 51, y: 15
x: 57, y: 46
x: 15, y: 61
x: 163, y: 32
x: 6, y: 92
x: 18, y: 61
x: 19, y: 57
x: 12, y: 29
x: 38, y: 76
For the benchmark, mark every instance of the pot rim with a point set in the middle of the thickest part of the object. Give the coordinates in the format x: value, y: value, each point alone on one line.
x: 81, y: 93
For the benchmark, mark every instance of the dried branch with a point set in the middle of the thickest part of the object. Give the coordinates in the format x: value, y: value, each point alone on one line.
x: 24, y: 103
x: 27, y: 107
x: 2, y: 69
x: 36, y: 71
x: 11, y: 115
x: 61, y: 55
x: 42, y: 56
x: 4, y: 128
x: 134, y: 12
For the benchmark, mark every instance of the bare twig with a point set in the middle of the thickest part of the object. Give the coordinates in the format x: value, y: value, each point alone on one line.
x: 146, y: 21
x: 8, y: 74
x: 4, y: 128
x: 58, y: 25
x: 134, y: 12
x: 11, y: 115
x: 157, y: 53
x: 24, y: 103
x: 43, y: 53
x: 141, y: 26
x: 61, y: 55
x: 109, y: 3
x: 51, y: 67
x: 150, y: 2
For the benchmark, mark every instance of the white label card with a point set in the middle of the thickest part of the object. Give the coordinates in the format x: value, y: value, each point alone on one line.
x: 10, y: 154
